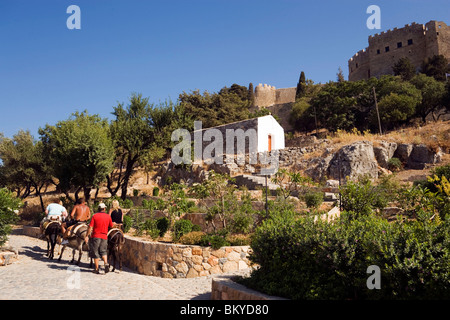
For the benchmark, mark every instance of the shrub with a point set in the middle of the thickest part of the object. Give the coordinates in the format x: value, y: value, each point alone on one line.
x: 127, y: 223
x: 239, y: 239
x: 192, y: 238
x: 362, y: 198
x: 182, y: 227
x: 127, y: 204
x: 155, y: 191
x: 151, y: 229
x: 216, y: 241
x: 135, y: 192
x: 303, y: 259
x: 163, y: 225
x: 313, y: 199
x: 9, y: 204
x: 196, y: 227
x: 394, y: 164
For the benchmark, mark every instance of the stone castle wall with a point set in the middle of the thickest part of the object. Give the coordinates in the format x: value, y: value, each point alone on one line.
x: 267, y: 96
x: 415, y: 41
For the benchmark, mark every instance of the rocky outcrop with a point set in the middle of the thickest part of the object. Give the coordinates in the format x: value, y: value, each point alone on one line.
x: 383, y: 152
x: 354, y: 160
x: 421, y: 155
x: 320, y: 160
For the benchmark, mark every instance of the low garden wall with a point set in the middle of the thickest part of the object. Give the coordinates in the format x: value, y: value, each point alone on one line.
x: 223, y: 288
x: 170, y: 260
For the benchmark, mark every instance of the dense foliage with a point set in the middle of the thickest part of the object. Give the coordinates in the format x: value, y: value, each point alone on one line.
x: 9, y: 205
x: 301, y: 257
x: 344, y: 105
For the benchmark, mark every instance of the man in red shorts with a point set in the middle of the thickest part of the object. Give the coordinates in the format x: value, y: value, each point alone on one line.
x: 98, y: 244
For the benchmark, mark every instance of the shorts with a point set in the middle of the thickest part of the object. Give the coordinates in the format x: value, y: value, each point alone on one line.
x: 98, y: 247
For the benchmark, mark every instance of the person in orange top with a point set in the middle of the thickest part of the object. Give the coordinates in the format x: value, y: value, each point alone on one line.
x: 98, y: 243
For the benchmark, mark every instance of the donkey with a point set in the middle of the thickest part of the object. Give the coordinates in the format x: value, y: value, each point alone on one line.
x: 115, y: 243
x: 77, y: 242
x: 52, y: 231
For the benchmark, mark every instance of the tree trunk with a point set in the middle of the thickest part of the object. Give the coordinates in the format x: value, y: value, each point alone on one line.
x: 87, y: 193
x: 127, y: 176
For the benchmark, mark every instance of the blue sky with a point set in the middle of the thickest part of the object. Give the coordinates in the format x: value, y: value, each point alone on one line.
x: 162, y: 48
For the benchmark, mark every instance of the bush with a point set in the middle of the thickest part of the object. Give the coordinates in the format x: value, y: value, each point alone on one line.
x: 155, y: 191
x: 192, y: 238
x: 126, y: 204
x: 394, y: 164
x: 163, y: 225
x: 362, y: 198
x: 239, y: 239
x: 127, y: 223
x: 303, y: 259
x: 182, y: 227
x: 313, y: 199
x: 9, y: 204
x: 151, y: 229
x: 216, y: 241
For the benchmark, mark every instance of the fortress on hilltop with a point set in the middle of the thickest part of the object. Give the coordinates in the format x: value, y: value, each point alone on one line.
x: 414, y: 41
x: 267, y: 96
x: 277, y: 101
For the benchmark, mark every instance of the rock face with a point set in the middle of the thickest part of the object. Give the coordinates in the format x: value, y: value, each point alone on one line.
x: 384, y: 152
x: 421, y: 155
x: 354, y: 160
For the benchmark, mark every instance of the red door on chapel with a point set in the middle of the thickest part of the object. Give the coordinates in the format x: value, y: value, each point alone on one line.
x: 270, y: 143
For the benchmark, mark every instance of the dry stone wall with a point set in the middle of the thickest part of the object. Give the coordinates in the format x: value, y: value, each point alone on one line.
x: 169, y: 260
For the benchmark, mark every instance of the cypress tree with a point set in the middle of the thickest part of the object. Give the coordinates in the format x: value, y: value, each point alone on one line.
x: 251, y: 94
x: 301, y: 86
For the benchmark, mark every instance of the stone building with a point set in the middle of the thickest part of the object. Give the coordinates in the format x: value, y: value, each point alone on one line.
x: 277, y: 101
x: 414, y: 41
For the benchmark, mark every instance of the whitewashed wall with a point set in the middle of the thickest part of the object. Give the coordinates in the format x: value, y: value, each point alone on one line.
x: 268, y: 125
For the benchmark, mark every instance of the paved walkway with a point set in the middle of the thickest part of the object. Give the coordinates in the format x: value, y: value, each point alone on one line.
x: 34, y: 276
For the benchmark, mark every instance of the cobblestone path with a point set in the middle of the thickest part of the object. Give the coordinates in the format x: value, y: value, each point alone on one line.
x: 34, y: 276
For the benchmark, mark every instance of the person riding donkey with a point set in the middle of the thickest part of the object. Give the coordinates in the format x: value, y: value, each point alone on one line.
x: 80, y: 213
x: 54, y: 212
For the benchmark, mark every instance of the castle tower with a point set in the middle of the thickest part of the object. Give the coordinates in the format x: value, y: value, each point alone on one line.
x: 414, y: 41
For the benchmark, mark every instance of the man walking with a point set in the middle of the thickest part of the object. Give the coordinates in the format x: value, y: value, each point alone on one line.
x: 98, y: 244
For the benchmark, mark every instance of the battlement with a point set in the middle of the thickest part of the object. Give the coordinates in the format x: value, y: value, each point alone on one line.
x: 267, y: 95
x: 359, y: 54
x: 407, y: 27
x: 415, y: 41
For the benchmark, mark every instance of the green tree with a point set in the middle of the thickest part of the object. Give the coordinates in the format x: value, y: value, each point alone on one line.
x: 433, y: 94
x: 404, y: 68
x: 436, y: 67
x: 301, y: 86
x: 132, y: 136
x: 397, y: 102
x: 340, y: 75
x: 80, y: 152
x: 23, y: 165
x: 9, y: 206
x: 213, y: 109
x: 251, y: 94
